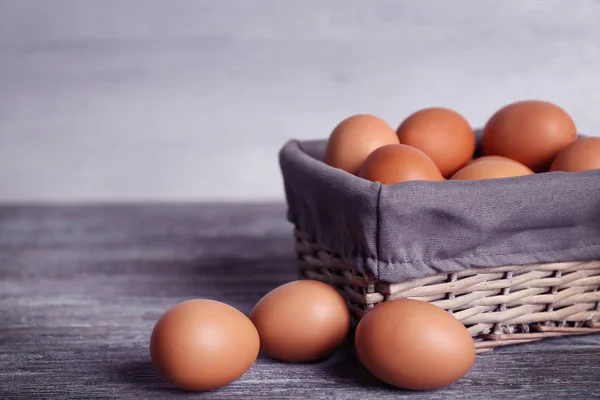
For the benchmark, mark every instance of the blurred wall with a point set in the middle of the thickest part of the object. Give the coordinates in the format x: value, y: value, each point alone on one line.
x: 191, y: 100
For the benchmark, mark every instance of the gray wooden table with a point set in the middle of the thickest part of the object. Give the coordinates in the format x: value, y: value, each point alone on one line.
x: 81, y: 287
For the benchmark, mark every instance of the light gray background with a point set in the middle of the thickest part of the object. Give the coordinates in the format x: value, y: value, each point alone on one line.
x: 191, y: 100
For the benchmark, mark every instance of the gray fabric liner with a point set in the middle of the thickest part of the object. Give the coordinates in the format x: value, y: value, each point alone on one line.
x: 415, y: 229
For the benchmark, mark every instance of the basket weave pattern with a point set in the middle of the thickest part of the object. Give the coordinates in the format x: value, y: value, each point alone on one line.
x: 499, y: 306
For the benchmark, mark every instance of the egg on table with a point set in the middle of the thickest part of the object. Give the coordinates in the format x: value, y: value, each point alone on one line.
x: 414, y: 345
x: 301, y: 321
x: 201, y: 345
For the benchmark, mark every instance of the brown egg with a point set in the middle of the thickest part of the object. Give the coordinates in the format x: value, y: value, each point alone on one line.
x: 202, y: 345
x: 581, y: 155
x: 301, y: 321
x: 491, y: 169
x: 443, y: 134
x: 531, y: 132
x: 414, y: 345
x: 354, y: 139
x: 474, y: 160
x: 397, y: 163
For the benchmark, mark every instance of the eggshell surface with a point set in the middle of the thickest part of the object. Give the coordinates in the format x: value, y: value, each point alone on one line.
x: 531, y: 132
x: 399, y: 163
x: 354, y: 139
x: 301, y: 321
x: 492, y: 168
x: 581, y: 155
x: 484, y: 158
x: 443, y: 134
x: 414, y: 345
x: 201, y: 345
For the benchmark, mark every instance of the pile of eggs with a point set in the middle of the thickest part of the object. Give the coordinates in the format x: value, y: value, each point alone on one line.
x: 201, y: 345
x: 436, y: 144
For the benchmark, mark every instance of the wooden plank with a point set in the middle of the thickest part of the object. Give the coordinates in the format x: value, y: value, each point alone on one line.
x: 81, y: 287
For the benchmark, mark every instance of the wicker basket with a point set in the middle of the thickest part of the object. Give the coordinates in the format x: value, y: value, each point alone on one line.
x: 499, y: 306
x: 515, y: 260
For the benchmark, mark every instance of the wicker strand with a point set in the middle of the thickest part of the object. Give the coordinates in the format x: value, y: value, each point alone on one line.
x: 499, y: 306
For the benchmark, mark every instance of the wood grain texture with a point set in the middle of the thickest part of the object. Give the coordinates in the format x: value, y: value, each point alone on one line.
x: 81, y: 287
